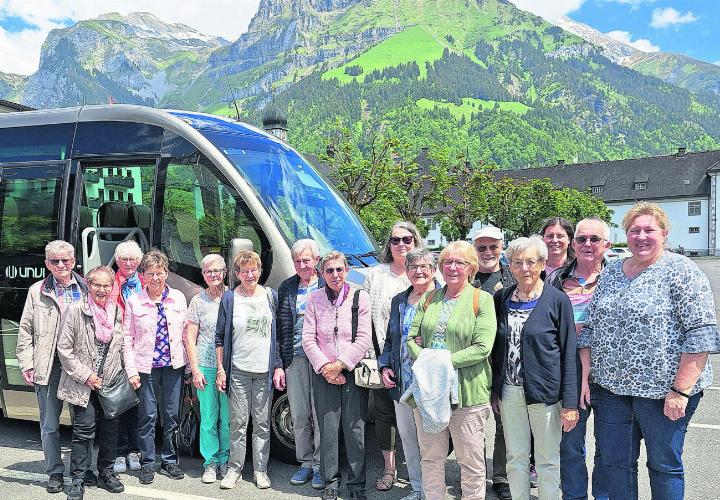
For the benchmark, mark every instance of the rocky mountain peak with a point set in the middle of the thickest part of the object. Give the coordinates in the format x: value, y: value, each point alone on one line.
x: 614, y: 50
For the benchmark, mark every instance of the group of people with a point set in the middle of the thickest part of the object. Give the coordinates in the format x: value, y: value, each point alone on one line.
x: 537, y: 340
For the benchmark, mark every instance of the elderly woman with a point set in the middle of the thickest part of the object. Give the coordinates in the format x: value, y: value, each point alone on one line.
x: 557, y: 233
x: 461, y: 319
x: 155, y: 362
x: 383, y: 282
x: 336, y: 336
x: 128, y: 282
x: 200, y: 347
x: 292, y: 300
x: 89, y: 347
x: 650, y: 327
x: 534, y: 370
x: 395, y: 361
x: 247, y: 359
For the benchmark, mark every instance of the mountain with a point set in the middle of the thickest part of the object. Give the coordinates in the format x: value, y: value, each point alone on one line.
x: 678, y: 69
x: 133, y: 59
x: 11, y: 85
x: 474, y: 76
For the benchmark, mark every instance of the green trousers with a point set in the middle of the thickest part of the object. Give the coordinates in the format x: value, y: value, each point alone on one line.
x: 214, y: 421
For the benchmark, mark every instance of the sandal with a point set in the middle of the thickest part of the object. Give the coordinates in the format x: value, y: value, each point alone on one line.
x: 386, y: 480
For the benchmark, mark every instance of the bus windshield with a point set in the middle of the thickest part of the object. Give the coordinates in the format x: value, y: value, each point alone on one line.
x: 297, y: 198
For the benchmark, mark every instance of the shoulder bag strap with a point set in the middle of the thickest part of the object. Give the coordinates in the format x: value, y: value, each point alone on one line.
x: 355, y: 309
x: 476, y: 301
x: 429, y: 299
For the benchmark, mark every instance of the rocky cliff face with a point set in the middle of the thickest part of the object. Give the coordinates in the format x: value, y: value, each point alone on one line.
x: 134, y: 59
x: 11, y: 85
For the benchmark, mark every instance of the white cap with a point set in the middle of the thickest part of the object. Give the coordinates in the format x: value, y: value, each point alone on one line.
x: 488, y: 232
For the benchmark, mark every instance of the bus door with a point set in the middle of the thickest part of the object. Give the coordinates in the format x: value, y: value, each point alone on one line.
x: 31, y: 215
x: 116, y: 204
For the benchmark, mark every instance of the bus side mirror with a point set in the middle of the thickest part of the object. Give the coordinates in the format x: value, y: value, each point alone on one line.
x: 237, y: 245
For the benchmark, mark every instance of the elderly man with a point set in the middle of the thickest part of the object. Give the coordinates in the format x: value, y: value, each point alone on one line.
x: 46, y: 303
x: 578, y: 279
x: 491, y: 277
x: 292, y: 295
x: 128, y: 282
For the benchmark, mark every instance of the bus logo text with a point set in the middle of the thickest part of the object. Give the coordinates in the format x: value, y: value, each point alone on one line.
x: 12, y: 272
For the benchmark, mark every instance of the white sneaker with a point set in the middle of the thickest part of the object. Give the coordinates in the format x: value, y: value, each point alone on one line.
x: 134, y: 461
x: 228, y: 482
x: 415, y: 495
x: 119, y: 465
x: 262, y: 481
x: 210, y: 474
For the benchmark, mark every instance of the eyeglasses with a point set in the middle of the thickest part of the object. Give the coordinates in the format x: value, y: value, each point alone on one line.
x: 247, y: 271
x: 459, y: 264
x: 482, y: 248
x: 395, y: 240
x: 332, y: 270
x: 580, y: 240
x: 526, y: 262
x: 98, y: 286
x: 419, y: 267
x: 210, y: 272
x: 128, y: 259
x: 153, y: 275
x: 55, y: 262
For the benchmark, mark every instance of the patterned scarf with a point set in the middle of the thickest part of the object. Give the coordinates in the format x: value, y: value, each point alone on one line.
x: 131, y: 286
x: 162, y: 357
x: 103, y: 317
x: 336, y: 299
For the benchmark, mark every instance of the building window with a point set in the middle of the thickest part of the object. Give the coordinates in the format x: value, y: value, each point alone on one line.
x: 640, y: 186
x: 694, y: 208
x: 597, y: 189
x: 694, y: 230
x: 431, y: 243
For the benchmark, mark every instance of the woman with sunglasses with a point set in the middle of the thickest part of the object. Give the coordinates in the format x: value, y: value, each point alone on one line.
x: 382, y: 283
x: 200, y: 347
x: 245, y: 345
x: 328, y: 343
x: 458, y: 318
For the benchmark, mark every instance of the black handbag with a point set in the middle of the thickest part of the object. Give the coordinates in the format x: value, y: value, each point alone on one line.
x: 118, y: 396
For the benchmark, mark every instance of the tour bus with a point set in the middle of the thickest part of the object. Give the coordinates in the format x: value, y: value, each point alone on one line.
x: 187, y: 183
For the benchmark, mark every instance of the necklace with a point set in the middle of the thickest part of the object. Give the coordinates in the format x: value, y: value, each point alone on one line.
x: 529, y: 297
x: 244, y: 293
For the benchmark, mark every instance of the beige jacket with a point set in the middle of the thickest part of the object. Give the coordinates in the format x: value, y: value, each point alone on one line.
x: 78, y: 353
x: 39, y: 327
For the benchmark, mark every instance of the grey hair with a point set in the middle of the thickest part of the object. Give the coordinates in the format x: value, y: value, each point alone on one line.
x: 417, y: 254
x: 523, y: 244
x: 92, y: 273
x: 386, y: 254
x: 605, y: 227
x: 210, y: 259
x: 305, y: 244
x: 155, y: 258
x: 128, y: 248
x: 59, y: 247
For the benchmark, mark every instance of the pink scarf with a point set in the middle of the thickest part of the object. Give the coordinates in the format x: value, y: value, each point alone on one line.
x: 102, y: 319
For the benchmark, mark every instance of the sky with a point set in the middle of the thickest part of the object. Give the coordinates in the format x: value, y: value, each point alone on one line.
x: 682, y: 26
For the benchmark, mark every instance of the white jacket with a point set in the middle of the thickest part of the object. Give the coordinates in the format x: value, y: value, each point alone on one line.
x: 434, y: 388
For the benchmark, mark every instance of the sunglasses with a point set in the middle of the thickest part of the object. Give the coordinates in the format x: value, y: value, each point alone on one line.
x: 482, y: 248
x: 580, y: 240
x: 332, y: 270
x: 55, y: 262
x: 395, y: 240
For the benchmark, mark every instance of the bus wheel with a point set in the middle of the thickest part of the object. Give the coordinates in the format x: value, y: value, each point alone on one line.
x: 283, y: 440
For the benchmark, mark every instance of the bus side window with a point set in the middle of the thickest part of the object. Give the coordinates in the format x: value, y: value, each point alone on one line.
x: 201, y: 214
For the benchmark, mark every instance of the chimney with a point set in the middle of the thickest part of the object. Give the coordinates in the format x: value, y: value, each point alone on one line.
x: 561, y: 163
x: 681, y: 151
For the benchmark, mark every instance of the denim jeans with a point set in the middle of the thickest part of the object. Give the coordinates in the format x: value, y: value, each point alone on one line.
x: 622, y: 421
x: 573, y: 469
x: 166, y: 383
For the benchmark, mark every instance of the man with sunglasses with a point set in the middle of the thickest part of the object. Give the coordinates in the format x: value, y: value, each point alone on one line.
x: 46, y: 304
x: 492, y: 276
x: 578, y: 279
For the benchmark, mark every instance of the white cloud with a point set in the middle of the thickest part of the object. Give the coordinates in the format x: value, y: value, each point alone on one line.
x: 549, y: 10
x: 667, y: 16
x: 21, y: 49
x: 641, y: 44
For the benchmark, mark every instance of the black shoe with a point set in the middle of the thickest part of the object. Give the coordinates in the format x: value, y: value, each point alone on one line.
x: 502, y: 490
x: 77, y: 491
x: 110, y: 482
x: 329, y: 494
x: 90, y: 479
x: 358, y: 495
x: 147, y: 474
x: 55, y: 483
x: 171, y: 470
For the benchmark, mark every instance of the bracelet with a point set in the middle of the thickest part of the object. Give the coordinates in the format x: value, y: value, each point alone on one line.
x: 678, y: 391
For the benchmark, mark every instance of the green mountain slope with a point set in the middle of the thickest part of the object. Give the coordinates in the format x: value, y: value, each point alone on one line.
x: 680, y: 70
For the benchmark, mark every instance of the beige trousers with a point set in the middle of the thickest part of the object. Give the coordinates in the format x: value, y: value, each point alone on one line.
x: 467, y: 429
